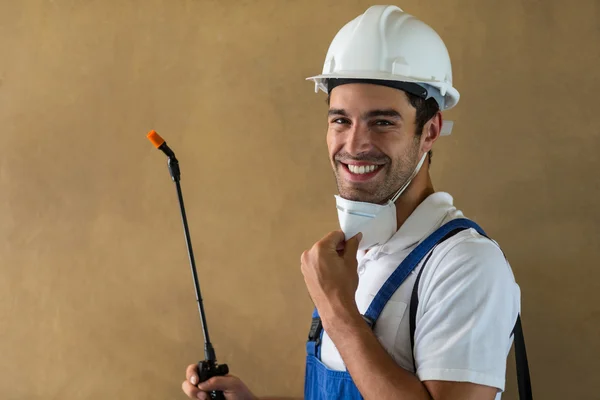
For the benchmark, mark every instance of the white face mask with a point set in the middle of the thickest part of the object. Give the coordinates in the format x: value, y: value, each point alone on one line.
x: 376, y: 222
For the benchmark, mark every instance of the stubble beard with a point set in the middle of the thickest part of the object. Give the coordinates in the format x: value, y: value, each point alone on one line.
x: 383, y: 186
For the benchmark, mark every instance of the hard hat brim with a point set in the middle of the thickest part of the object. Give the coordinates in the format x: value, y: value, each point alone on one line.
x: 451, y: 94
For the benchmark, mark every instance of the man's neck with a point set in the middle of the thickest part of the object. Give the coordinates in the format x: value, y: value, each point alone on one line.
x: 419, y: 189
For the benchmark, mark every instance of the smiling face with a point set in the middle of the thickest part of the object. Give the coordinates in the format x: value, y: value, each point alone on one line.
x: 371, y: 139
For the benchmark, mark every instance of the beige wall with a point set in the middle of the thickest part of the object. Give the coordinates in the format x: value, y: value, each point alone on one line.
x: 96, y: 298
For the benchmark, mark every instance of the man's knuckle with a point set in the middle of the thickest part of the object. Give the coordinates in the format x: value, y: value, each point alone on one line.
x: 304, y: 256
x: 190, y: 371
x: 319, y: 249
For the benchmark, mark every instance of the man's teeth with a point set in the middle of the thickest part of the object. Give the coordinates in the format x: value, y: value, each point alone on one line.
x: 363, y: 169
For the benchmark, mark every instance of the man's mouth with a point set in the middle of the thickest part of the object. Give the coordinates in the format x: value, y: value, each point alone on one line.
x: 360, y: 171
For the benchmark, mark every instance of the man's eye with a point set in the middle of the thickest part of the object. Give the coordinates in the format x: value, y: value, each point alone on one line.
x: 383, y: 122
x: 340, y: 121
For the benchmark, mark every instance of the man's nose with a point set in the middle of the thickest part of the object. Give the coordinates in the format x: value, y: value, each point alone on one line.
x: 358, y: 140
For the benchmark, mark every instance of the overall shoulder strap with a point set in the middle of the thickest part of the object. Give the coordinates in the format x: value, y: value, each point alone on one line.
x: 457, y: 226
x: 523, y: 378
x: 392, y: 284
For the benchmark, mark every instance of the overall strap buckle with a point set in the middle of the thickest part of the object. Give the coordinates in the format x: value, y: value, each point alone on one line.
x: 315, y: 329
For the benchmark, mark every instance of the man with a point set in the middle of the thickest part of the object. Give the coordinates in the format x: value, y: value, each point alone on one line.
x: 412, y: 302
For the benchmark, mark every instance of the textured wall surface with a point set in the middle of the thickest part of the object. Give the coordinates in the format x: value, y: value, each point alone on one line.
x: 96, y: 297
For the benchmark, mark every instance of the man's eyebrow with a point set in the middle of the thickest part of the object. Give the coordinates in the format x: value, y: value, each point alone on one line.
x: 337, y: 111
x: 389, y: 112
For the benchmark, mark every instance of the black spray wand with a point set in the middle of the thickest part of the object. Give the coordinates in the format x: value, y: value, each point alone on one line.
x: 209, y: 367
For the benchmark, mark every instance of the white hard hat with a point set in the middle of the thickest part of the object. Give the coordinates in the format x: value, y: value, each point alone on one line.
x: 387, y: 44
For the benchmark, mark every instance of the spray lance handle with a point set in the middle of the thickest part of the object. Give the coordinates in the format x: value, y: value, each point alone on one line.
x: 207, y: 368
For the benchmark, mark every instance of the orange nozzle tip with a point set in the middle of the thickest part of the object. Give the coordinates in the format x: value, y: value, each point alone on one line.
x: 155, y: 138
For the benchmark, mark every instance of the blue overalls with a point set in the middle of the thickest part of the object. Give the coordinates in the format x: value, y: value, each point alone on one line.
x: 324, y: 383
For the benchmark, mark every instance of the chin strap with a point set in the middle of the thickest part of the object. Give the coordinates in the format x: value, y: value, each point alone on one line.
x: 415, y: 172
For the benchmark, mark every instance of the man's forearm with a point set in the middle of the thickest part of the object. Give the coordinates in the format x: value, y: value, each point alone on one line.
x: 373, y: 370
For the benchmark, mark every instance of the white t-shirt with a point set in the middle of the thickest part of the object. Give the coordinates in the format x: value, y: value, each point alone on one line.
x: 468, y: 302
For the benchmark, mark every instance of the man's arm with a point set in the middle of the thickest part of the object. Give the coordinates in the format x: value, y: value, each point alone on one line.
x: 377, y: 375
x: 329, y: 270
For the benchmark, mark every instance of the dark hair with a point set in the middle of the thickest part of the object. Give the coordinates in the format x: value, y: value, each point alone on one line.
x: 426, y: 109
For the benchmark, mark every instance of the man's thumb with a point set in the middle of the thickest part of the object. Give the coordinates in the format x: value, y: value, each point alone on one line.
x: 351, y: 247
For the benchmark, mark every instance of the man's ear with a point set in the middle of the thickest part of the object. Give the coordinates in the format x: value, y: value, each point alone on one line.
x: 431, y: 132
